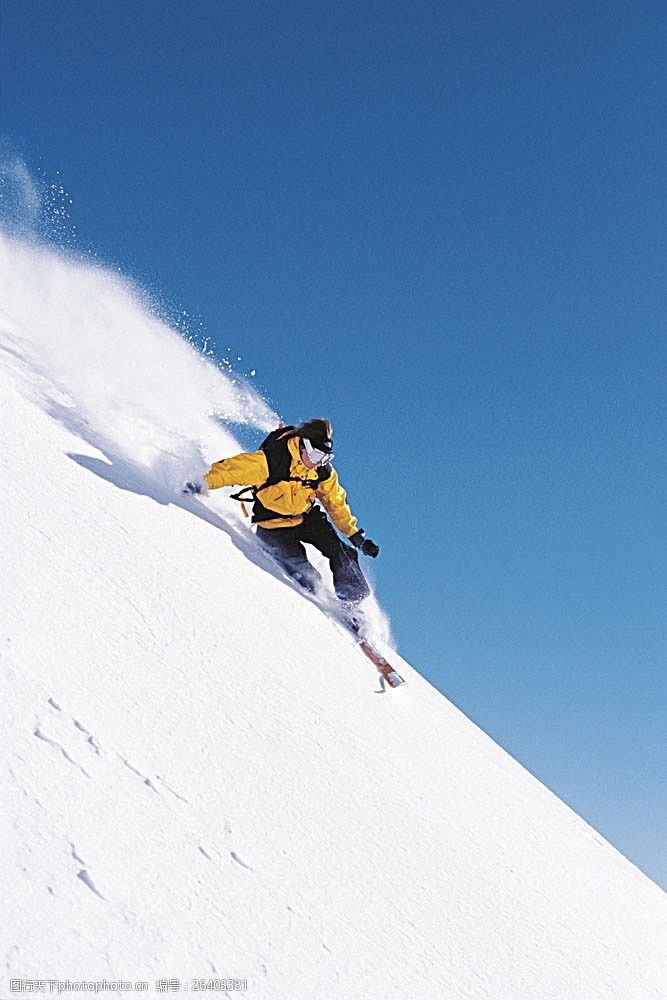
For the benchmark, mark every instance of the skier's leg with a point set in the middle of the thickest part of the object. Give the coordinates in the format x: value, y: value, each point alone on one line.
x: 349, y: 582
x: 286, y: 548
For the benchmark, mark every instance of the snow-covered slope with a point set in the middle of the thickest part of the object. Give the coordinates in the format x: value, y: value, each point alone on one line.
x: 200, y: 778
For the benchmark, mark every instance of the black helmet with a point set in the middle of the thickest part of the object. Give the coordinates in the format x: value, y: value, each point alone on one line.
x: 319, y: 432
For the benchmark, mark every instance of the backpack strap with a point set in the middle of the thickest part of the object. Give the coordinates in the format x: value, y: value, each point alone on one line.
x: 242, y: 500
x: 279, y: 463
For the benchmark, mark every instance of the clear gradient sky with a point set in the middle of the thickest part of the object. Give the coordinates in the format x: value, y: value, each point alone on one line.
x: 444, y: 226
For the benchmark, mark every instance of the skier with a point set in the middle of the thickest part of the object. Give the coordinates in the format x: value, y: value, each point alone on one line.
x: 287, y: 478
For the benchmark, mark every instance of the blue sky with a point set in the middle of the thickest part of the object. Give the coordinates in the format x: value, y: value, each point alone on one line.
x: 442, y: 225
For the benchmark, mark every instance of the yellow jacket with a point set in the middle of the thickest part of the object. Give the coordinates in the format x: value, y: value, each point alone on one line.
x: 293, y: 500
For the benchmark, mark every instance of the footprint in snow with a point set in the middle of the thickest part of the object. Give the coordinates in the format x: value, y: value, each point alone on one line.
x: 88, y: 882
x: 83, y: 874
x: 54, y: 743
x: 239, y: 861
x: 89, y: 736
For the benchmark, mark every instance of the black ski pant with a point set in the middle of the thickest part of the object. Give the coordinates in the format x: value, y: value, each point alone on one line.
x: 286, y: 545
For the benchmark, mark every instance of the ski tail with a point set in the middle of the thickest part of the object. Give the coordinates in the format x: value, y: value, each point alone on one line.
x: 390, y: 674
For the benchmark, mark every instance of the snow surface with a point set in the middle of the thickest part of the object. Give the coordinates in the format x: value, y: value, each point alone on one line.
x: 201, y: 779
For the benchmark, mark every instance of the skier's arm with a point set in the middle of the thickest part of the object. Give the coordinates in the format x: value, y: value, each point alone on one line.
x: 333, y: 497
x: 246, y: 469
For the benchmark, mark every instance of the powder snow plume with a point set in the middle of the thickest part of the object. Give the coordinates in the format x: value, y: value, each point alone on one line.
x: 100, y: 362
x: 89, y: 349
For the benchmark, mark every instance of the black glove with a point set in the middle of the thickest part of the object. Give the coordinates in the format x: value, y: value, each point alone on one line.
x: 191, y: 488
x: 368, y: 547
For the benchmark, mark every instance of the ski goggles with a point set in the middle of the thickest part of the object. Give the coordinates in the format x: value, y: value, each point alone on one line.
x: 316, y: 455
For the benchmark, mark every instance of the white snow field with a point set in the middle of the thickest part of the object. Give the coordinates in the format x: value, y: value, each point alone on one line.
x: 201, y: 780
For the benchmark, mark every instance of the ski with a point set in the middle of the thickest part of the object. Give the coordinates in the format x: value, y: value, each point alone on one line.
x: 353, y: 626
x: 384, y: 668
